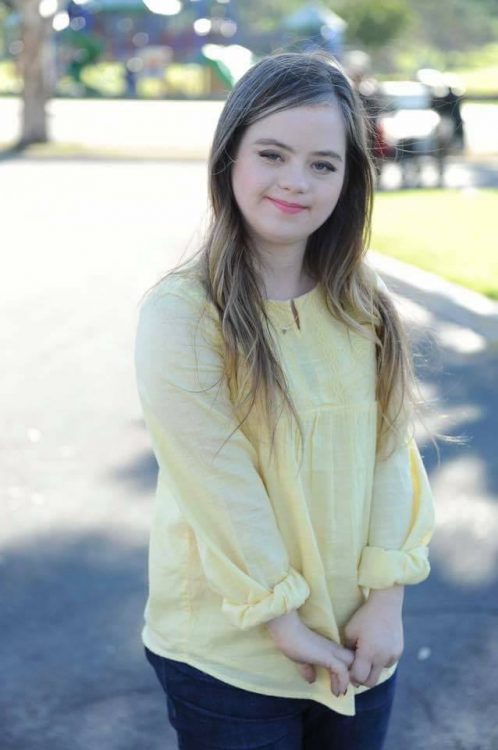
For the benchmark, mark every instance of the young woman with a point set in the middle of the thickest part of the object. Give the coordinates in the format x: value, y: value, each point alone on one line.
x: 292, y: 504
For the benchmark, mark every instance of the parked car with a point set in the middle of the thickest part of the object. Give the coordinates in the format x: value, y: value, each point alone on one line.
x: 406, y: 128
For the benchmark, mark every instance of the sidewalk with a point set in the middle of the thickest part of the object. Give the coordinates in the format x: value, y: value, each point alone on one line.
x: 473, y: 316
x: 126, y: 128
x: 172, y: 129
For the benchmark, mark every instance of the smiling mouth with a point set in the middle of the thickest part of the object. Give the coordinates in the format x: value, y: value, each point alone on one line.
x: 285, y: 203
x: 290, y: 207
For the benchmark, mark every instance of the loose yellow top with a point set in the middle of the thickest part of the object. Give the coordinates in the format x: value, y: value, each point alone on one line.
x: 238, y: 539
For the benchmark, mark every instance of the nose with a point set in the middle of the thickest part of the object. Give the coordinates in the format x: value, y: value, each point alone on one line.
x: 292, y: 177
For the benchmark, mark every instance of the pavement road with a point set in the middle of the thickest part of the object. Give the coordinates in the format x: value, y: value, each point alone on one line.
x: 82, y: 241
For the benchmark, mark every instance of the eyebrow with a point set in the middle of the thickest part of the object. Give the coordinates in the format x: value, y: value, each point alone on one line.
x: 273, y: 142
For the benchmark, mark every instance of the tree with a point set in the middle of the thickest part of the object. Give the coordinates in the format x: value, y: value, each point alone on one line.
x: 265, y: 15
x: 36, y: 68
x: 374, y: 23
x: 371, y: 23
x: 455, y: 24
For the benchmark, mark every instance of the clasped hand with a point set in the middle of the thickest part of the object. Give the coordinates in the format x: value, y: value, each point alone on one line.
x: 375, y: 633
x: 373, y: 640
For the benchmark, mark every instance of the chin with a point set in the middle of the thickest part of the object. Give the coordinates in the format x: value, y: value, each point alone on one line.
x: 280, y: 237
x: 283, y: 240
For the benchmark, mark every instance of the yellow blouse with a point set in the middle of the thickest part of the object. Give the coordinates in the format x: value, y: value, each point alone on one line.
x: 237, y: 539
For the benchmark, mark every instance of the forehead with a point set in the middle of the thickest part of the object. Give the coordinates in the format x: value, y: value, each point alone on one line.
x: 312, y: 128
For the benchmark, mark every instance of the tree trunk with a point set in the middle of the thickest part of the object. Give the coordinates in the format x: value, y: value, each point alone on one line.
x: 35, y: 65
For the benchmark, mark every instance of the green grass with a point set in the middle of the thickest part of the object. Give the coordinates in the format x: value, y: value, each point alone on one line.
x: 483, y: 81
x: 10, y: 81
x: 449, y: 232
x: 477, y: 69
x: 107, y: 79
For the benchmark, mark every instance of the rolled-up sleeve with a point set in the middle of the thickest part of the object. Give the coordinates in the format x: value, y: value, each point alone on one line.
x: 211, y: 473
x: 402, y: 516
x: 401, y: 522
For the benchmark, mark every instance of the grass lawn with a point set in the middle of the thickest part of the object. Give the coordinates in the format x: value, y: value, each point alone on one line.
x: 449, y: 232
x: 480, y: 81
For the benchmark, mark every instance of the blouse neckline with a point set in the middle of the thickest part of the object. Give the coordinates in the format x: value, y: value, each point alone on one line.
x: 290, y: 314
x: 298, y: 301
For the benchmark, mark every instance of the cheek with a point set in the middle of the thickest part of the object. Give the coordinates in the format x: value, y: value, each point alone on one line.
x: 329, y: 199
x: 248, y: 180
x: 241, y: 182
x: 335, y: 193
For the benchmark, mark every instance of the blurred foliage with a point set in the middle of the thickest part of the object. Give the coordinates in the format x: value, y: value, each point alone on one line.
x: 477, y: 68
x: 454, y: 24
x: 106, y: 78
x: 266, y: 15
x: 372, y: 24
x: 446, y: 25
x: 486, y: 56
x: 4, y: 12
x: 10, y: 81
x: 185, y: 79
x: 401, y: 36
x: 409, y: 59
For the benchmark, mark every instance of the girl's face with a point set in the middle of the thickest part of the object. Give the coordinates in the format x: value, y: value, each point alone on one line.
x: 288, y: 174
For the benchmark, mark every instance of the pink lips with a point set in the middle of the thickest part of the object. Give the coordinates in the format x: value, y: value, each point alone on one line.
x: 287, y: 208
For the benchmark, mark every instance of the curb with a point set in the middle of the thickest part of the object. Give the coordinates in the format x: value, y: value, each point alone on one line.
x: 58, y: 151
x: 451, y: 301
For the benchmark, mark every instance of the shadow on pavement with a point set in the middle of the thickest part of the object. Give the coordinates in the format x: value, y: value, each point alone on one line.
x: 71, y: 652
x: 74, y: 673
x: 451, y: 655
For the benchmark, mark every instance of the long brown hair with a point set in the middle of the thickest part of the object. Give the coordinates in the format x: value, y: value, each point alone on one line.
x: 334, y: 253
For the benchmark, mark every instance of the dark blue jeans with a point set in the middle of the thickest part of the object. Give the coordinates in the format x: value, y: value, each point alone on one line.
x: 208, y: 713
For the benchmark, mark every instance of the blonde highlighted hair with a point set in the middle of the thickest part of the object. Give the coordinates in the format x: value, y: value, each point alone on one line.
x: 334, y: 255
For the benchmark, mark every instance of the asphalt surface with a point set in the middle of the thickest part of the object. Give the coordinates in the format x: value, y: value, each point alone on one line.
x: 82, y: 241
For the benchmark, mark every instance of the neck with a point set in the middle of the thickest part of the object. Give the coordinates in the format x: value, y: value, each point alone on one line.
x: 282, y: 273
x: 287, y: 290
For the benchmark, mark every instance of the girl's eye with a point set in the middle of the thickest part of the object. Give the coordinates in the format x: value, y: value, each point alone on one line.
x: 269, y: 155
x: 322, y: 167
x: 325, y: 166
